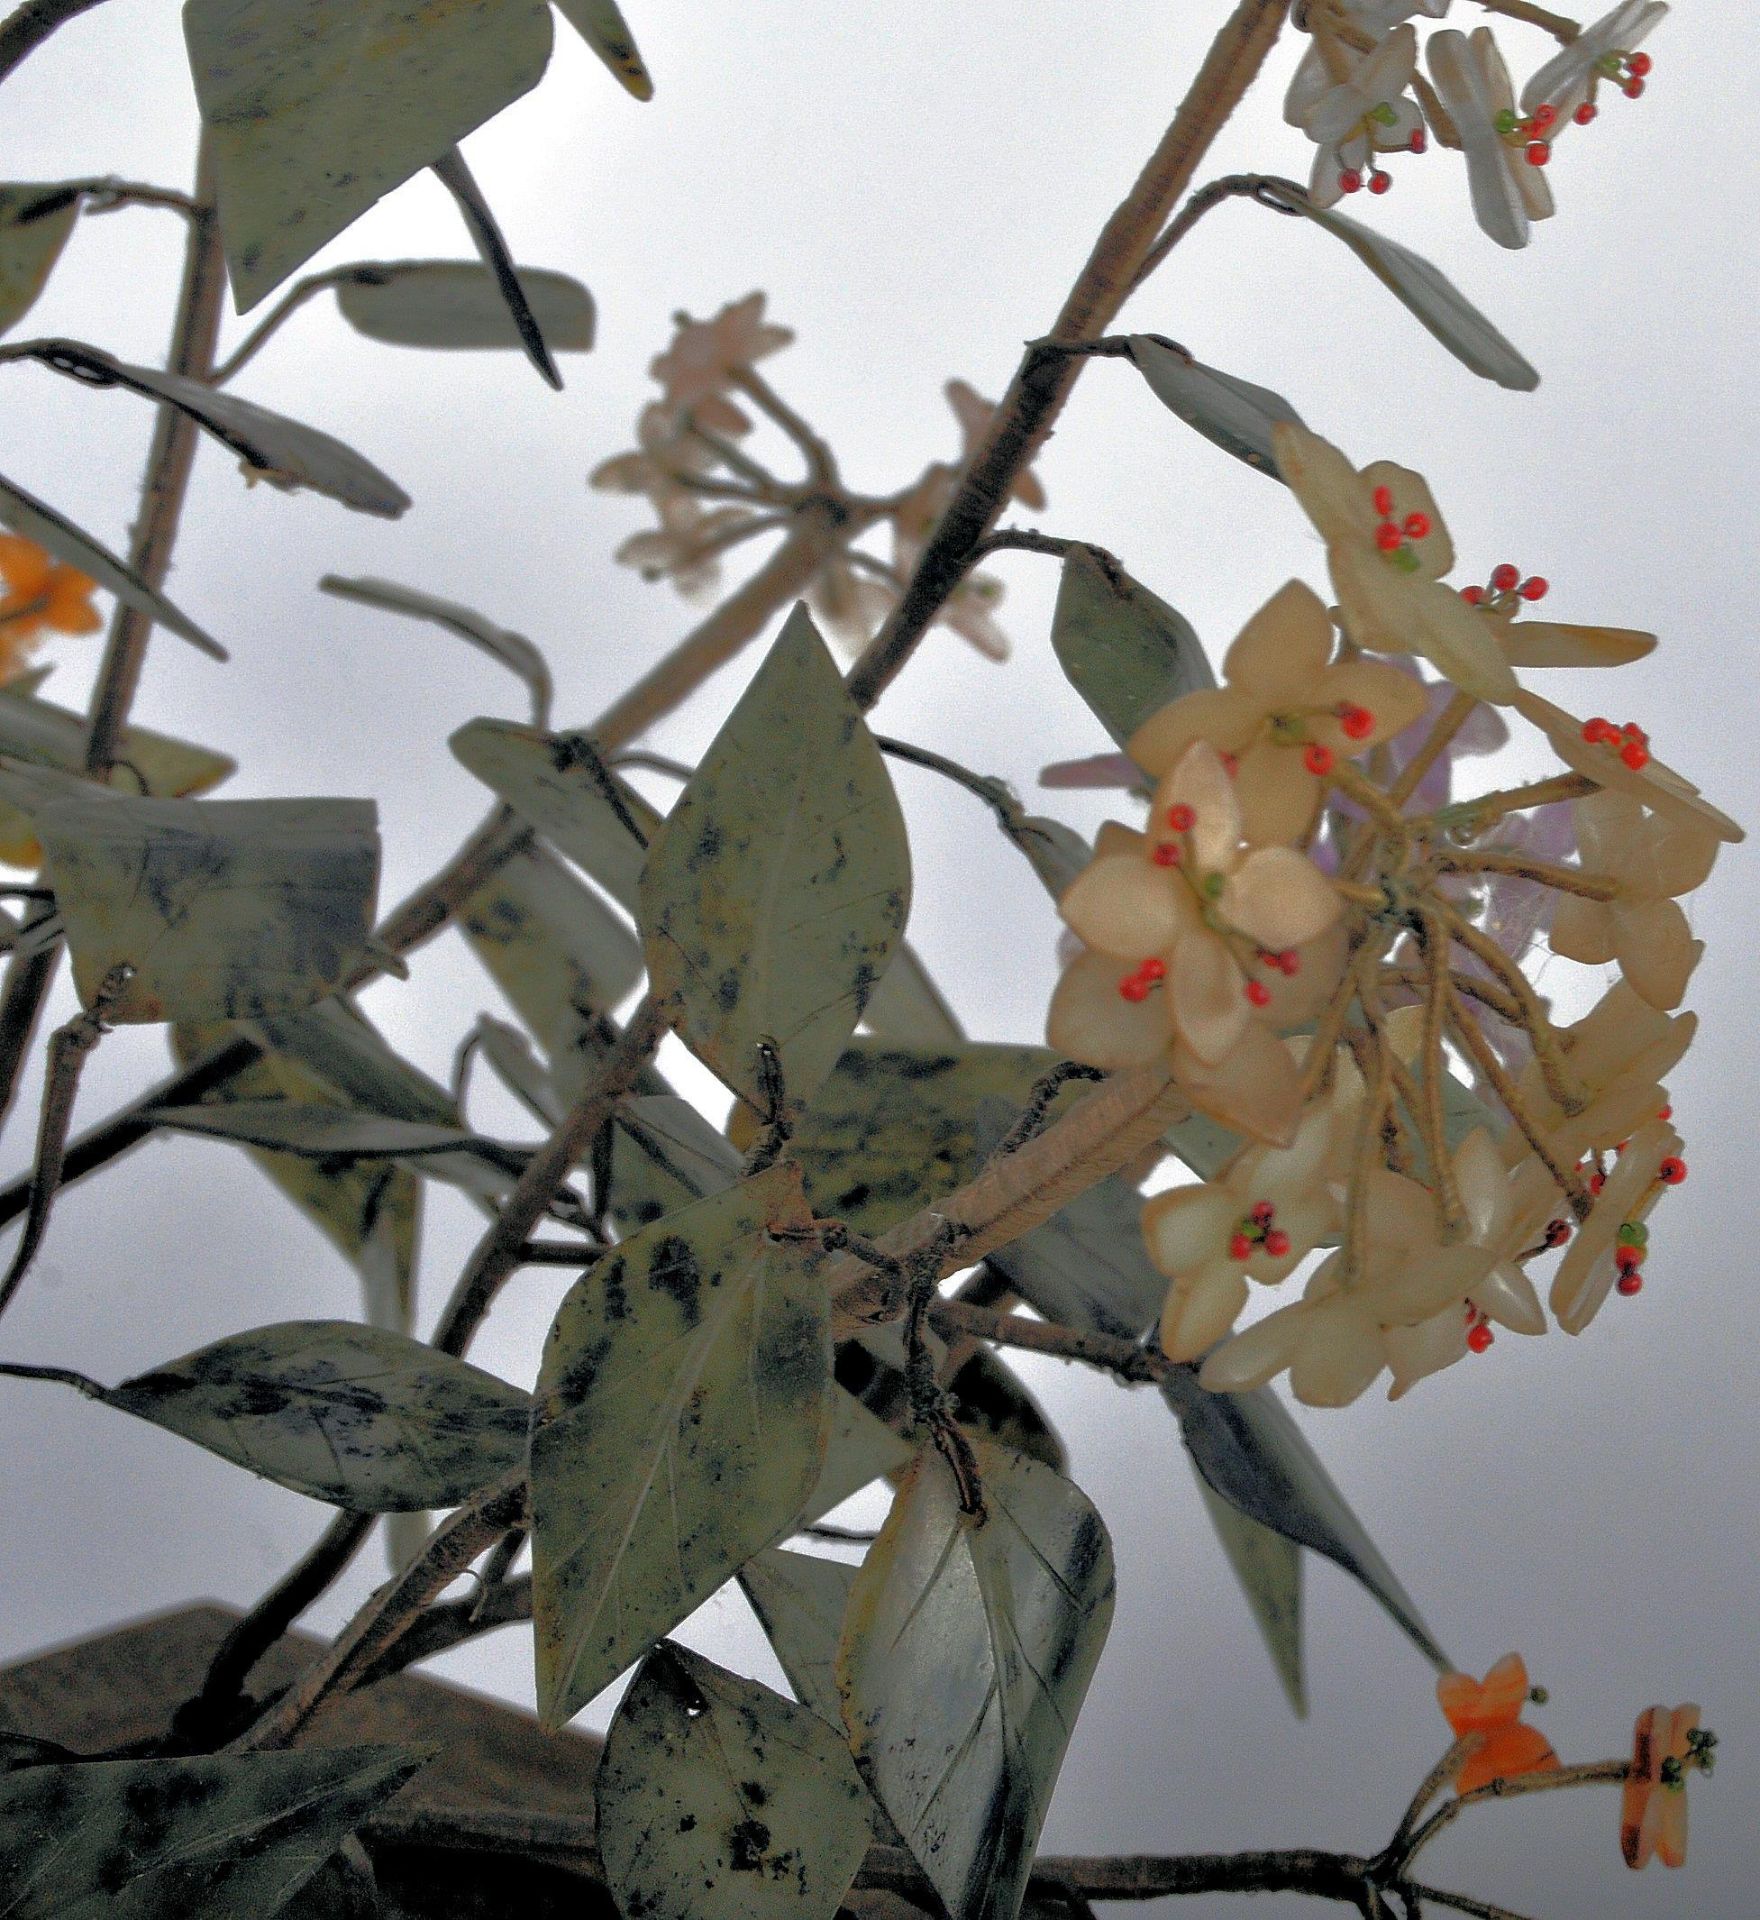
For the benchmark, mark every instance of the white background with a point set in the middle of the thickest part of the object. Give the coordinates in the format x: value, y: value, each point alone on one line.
x: 915, y: 184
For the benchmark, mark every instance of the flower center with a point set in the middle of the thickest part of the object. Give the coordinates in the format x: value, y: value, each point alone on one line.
x: 1135, y: 986
x: 1533, y: 135
x: 1396, y: 540
x: 1630, y: 742
x: 1382, y: 115
x: 1506, y: 589
x: 1255, y: 1229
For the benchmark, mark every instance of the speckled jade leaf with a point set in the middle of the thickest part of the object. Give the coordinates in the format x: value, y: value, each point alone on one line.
x: 458, y: 305
x: 34, y: 224
x: 799, y: 1600
x: 720, y: 1800
x: 225, y: 909
x: 350, y: 1414
x: 678, y: 1428
x: 1269, y: 1569
x: 213, y: 1837
x: 1126, y: 652
x: 1234, y: 414
x: 319, y: 107
x: 777, y: 890
x: 601, y: 24
x: 906, y: 1006
x: 967, y: 1651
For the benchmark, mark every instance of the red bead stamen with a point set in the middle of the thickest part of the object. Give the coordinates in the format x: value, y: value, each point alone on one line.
x: 1350, y: 181
x: 1240, y: 1248
x: 1263, y: 1213
x: 1358, y: 722
x: 1585, y: 113
x: 1379, y: 182
x: 1639, y: 64
x: 1479, y: 1337
x: 1316, y: 758
x: 1672, y: 1171
x: 1181, y: 818
x: 1258, y: 994
x: 1168, y: 854
x: 1630, y: 1283
x: 1537, y: 152
x: 1505, y: 577
x: 1383, y: 498
x: 1472, y: 595
x: 1277, y: 1243
x: 1387, y: 536
x: 1534, y: 588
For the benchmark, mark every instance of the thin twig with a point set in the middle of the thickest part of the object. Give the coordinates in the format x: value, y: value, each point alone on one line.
x: 30, y: 25
x: 996, y: 794
x: 1043, y: 1092
x: 1593, y: 1773
x: 278, y: 315
x: 821, y: 466
x: 1131, y: 1363
x: 1232, y: 186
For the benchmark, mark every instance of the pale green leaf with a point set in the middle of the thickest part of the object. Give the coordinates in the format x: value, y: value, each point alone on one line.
x: 46, y: 735
x: 1124, y: 651
x: 211, y: 1837
x: 906, y: 1006
x: 320, y: 108
x: 966, y: 1654
x: 225, y: 909
x: 512, y: 650
x: 457, y: 304
x: 777, y: 891
x: 720, y: 1800
x: 286, y: 453
x: 1236, y: 415
x: 601, y: 24
x: 679, y: 1428
x: 664, y: 1156
x: 1269, y: 1568
x: 24, y: 513
x: 353, y: 1415
x: 551, y: 780
x: 799, y: 1600
x: 34, y: 224
x: 1425, y: 290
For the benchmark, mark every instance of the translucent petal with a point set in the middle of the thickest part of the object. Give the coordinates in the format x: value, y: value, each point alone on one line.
x: 1200, y: 781
x: 1507, y: 1295
x: 1329, y: 488
x: 1208, y: 995
x: 1194, y: 1318
x: 1414, y: 1353
x: 1256, y: 1091
x: 1339, y: 1359
x: 1582, y: 930
x: 1189, y: 1227
x: 1225, y: 716
x: 1657, y: 951
x: 1277, y: 794
x: 1091, y: 1021
x: 1260, y: 1353
x: 1475, y: 1706
x: 1544, y: 643
x: 1279, y: 898
x: 1392, y: 699
x: 1392, y: 612
x: 1283, y: 648
x: 1124, y: 906
x: 1463, y: 87
x: 1483, y: 1185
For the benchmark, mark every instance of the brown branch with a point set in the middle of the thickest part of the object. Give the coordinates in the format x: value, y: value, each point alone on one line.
x: 1046, y: 376
x: 30, y: 25
x: 1130, y: 1362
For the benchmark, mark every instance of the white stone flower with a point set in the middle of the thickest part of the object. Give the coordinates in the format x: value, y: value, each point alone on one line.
x: 1505, y: 155
x: 1370, y: 112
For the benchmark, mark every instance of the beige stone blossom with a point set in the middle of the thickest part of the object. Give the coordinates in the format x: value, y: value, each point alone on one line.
x: 663, y: 457
x: 1284, y: 711
x: 1504, y: 1214
x: 1654, y: 857
x: 1387, y: 549
x: 1185, y: 903
x: 974, y: 414
x: 705, y: 355
x: 1368, y: 112
x: 1606, y: 755
x: 1257, y: 1220
x: 1508, y: 190
x: 1333, y: 1341
x: 684, y: 546
x: 850, y: 604
x: 1590, y: 1267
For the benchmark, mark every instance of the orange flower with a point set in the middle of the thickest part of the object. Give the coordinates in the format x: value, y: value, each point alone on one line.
x: 1493, y: 1708
x: 1653, y: 1809
x: 40, y: 592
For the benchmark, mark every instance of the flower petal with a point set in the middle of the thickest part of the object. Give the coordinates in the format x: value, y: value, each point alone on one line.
x: 1225, y: 716
x: 1124, y: 906
x: 1092, y: 1022
x: 1208, y: 995
x: 1283, y: 647
x: 1189, y: 1227
x: 1195, y: 1317
x: 1200, y: 781
x: 1279, y: 898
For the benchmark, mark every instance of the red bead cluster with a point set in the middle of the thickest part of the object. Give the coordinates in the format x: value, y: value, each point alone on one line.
x: 1135, y: 986
x: 1257, y: 1230
x: 1506, y: 583
x: 1631, y: 742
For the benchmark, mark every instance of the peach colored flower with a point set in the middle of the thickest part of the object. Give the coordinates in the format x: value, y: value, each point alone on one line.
x: 1284, y: 713
x: 41, y: 595
x: 974, y: 414
x: 1666, y: 1744
x: 698, y: 367
x: 1654, y: 857
x: 1492, y: 1708
x: 1387, y: 548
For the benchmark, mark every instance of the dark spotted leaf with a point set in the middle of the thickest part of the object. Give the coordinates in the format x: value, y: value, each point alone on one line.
x: 213, y: 1837
x: 720, y: 1800
x: 45, y: 735
x: 1124, y: 651
x: 1236, y: 415
x: 513, y: 650
x: 1269, y: 1568
x: 799, y: 1600
x: 454, y: 174
x: 1255, y: 1456
x: 553, y: 780
x: 24, y: 513
x: 1424, y: 290
x: 287, y: 453
x: 862, y: 1449
x: 966, y: 1654
x: 989, y: 1397
x: 777, y: 891
x: 34, y: 224
x: 353, y: 1415
x: 317, y: 110
x: 665, y: 1156
x: 457, y: 304
x: 679, y: 1427
x: 601, y: 24
x: 225, y: 909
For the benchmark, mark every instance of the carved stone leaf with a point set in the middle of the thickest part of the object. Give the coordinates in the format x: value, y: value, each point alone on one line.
x: 214, y: 1837
x: 966, y: 1655
x: 778, y: 888
x: 678, y: 1429
x: 601, y: 24
x: 319, y: 109
x: 799, y: 1600
x: 1232, y: 413
x: 906, y: 1006
x: 1269, y: 1569
x: 720, y: 1800
x: 1125, y: 651
x: 353, y: 1415
x: 549, y: 780
x: 226, y: 909
x: 34, y: 224
x: 458, y: 305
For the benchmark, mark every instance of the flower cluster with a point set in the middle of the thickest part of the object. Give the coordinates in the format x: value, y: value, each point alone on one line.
x: 1360, y: 93
x: 40, y: 596
x: 711, y: 492
x: 1324, y: 943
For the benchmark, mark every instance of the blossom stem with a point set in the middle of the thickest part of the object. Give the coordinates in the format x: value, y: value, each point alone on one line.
x: 1559, y: 1080
x: 1011, y: 816
x: 1045, y: 378
x: 1597, y: 1773
x: 736, y: 460
x: 1356, y: 1220
x: 821, y: 466
x: 31, y: 24
x: 1471, y: 817
x: 1429, y: 1787
x: 271, y: 323
x: 1231, y: 186
x: 1448, y: 723
x: 1562, y: 29
x: 1548, y: 873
